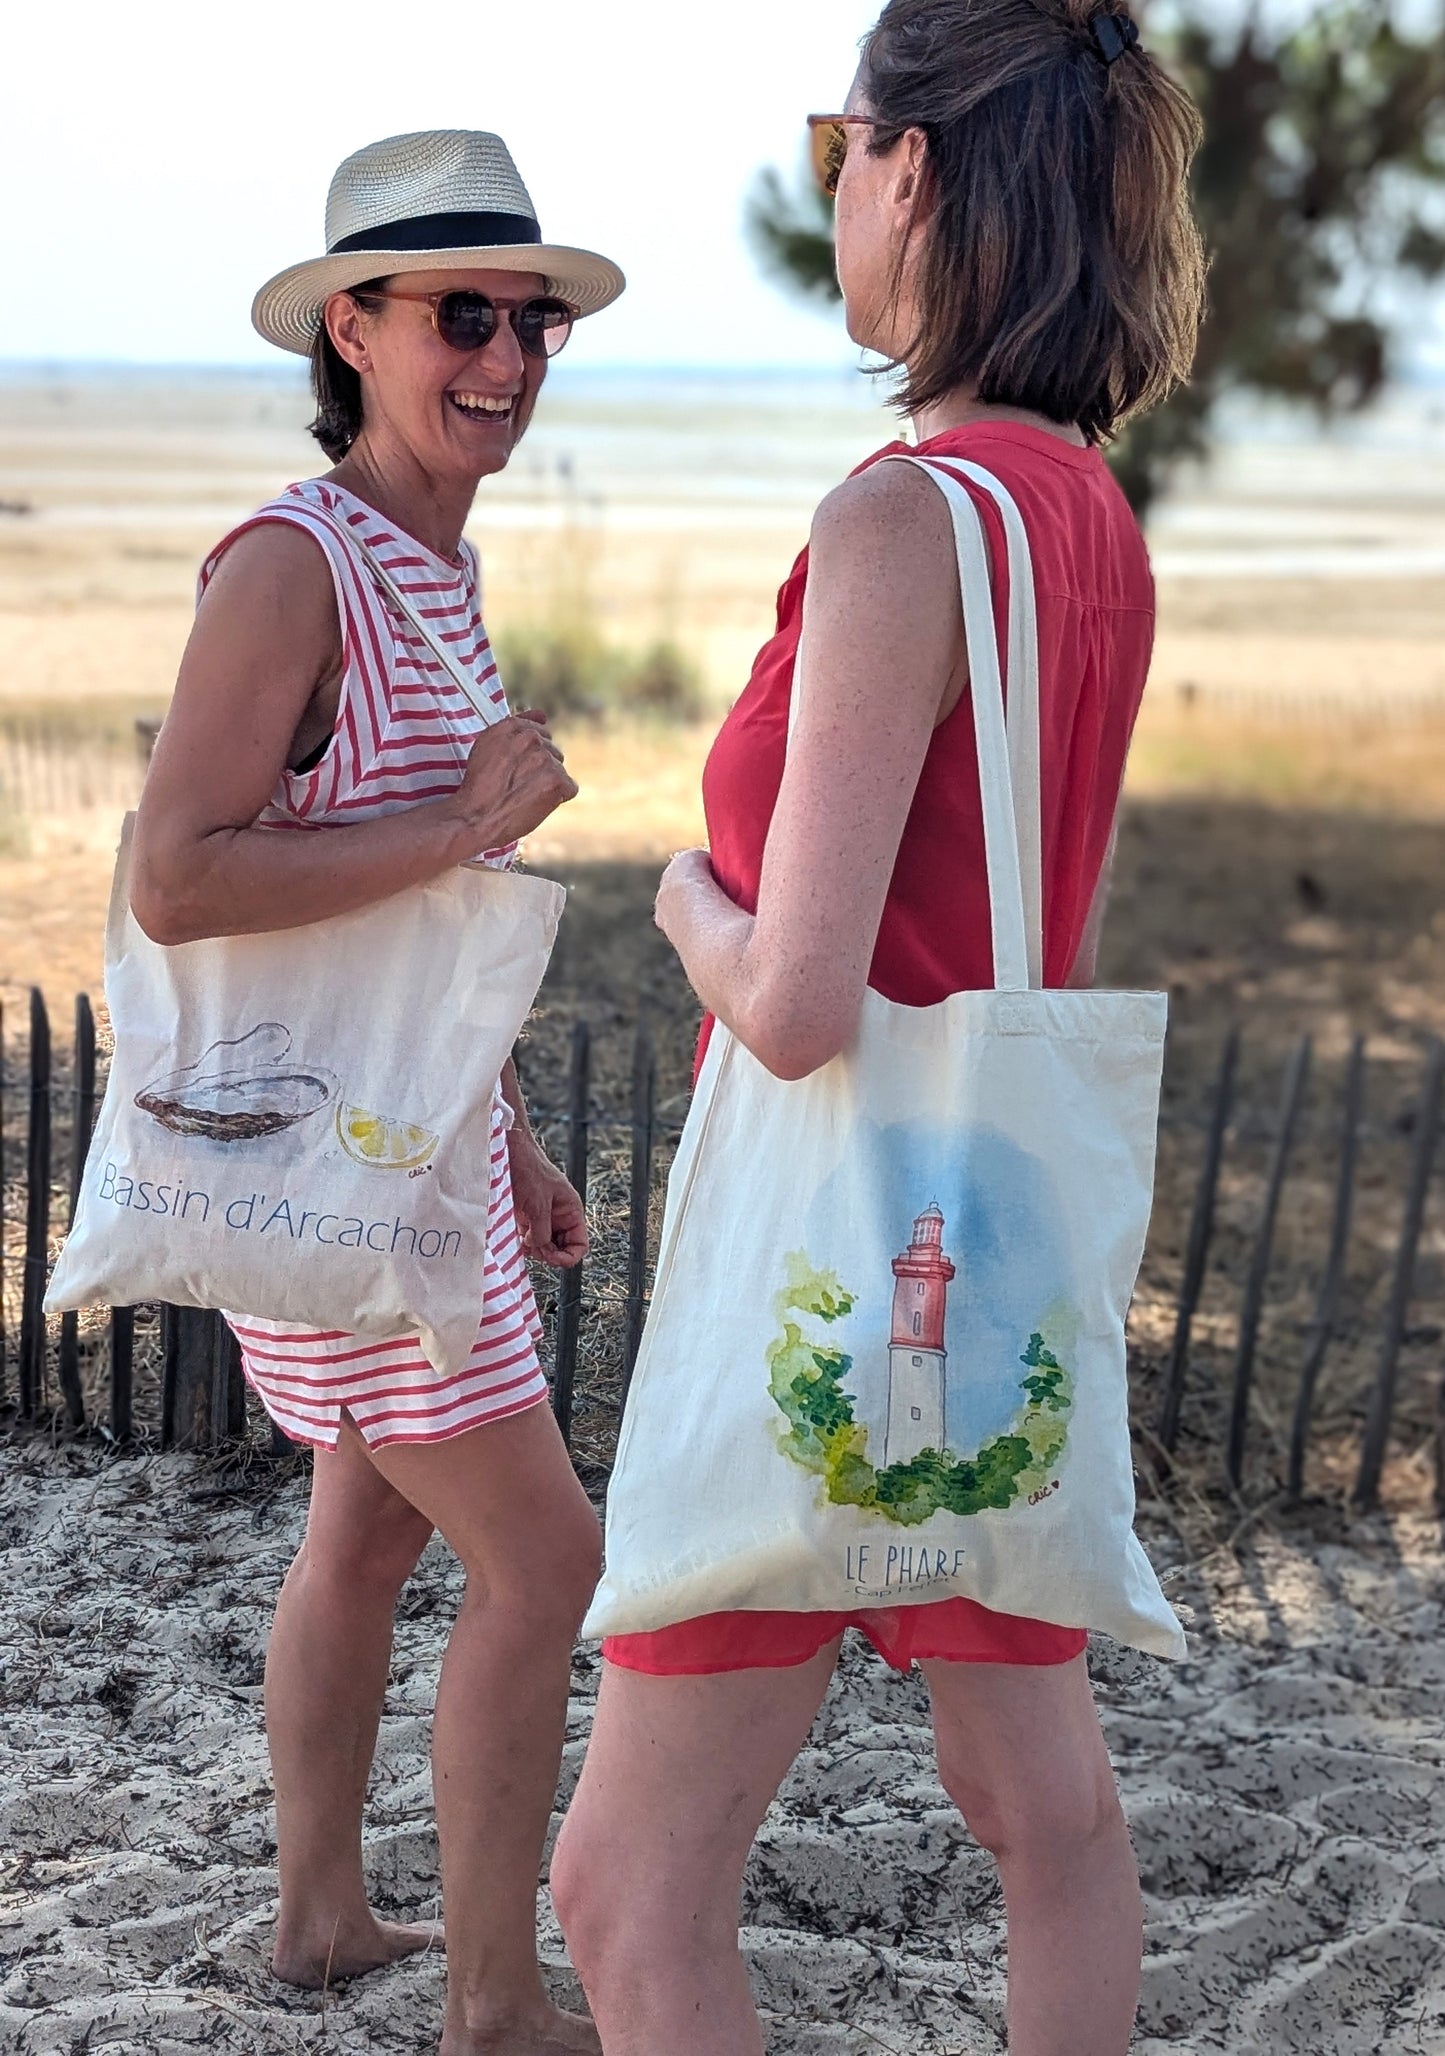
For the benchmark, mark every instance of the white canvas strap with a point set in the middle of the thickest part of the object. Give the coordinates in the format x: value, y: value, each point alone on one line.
x: 1008, y: 749
x: 1022, y: 710
x: 486, y: 711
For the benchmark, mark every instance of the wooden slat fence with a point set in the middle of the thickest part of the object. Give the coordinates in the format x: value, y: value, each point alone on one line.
x: 1361, y: 709
x: 202, y: 1401
x: 47, y: 768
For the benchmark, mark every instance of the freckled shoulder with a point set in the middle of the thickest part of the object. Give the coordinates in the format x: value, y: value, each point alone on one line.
x: 890, y: 523
x: 891, y: 512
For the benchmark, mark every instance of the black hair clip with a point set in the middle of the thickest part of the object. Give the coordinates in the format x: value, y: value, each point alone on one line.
x: 1115, y: 35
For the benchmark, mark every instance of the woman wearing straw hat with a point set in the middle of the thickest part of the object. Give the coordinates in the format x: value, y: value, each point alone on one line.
x: 309, y: 699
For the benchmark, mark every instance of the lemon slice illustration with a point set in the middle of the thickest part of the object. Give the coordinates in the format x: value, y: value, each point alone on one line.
x: 378, y: 1140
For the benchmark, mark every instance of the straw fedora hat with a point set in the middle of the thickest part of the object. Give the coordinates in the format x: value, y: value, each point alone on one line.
x: 440, y: 200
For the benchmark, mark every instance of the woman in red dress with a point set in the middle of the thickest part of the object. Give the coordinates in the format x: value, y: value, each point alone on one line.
x: 1014, y: 233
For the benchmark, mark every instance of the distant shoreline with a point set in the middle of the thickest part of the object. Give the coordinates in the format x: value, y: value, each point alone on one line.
x: 1412, y: 409
x: 291, y: 372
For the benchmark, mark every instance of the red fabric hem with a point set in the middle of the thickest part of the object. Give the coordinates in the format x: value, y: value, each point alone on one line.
x: 699, y: 1668
x: 773, y: 1640
x: 1015, y: 1662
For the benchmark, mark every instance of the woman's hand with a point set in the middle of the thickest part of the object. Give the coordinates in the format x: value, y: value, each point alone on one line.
x: 550, y: 1215
x: 688, y: 869
x: 515, y: 778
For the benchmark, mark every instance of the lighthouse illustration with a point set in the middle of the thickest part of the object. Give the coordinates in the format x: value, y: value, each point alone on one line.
x: 917, y: 1359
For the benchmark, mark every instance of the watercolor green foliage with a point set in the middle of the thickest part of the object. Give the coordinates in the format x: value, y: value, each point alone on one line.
x: 823, y: 1434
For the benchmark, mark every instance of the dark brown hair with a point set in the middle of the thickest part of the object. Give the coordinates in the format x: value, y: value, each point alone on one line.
x: 1063, y: 269
x: 335, y: 386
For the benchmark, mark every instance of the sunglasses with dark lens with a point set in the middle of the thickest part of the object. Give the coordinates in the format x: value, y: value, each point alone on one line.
x: 828, y: 142
x: 467, y: 321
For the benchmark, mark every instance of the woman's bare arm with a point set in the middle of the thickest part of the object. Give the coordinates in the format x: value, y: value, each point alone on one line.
x: 265, y: 637
x: 883, y: 660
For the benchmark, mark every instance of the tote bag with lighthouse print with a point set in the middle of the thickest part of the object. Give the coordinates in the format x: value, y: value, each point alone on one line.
x: 885, y: 1363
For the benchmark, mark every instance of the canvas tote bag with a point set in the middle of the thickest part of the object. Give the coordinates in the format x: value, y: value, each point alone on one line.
x: 296, y: 1126
x: 884, y: 1363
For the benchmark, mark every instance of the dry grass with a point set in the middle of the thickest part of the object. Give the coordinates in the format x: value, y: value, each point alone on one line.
x: 1338, y: 760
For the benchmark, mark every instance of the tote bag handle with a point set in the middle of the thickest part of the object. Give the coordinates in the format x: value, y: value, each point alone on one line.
x: 1008, y: 747
x: 483, y: 707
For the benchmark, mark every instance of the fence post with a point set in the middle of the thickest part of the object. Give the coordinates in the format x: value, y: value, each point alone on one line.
x: 1258, y: 1279
x: 229, y: 1389
x: 199, y: 1370
x: 83, y: 1113
x: 122, y: 1371
x: 37, y: 1214
x: 4, y: 1338
x: 1328, y: 1306
x: 569, y: 1298
x: 1201, y: 1233
x: 644, y: 1095
x: 1382, y: 1399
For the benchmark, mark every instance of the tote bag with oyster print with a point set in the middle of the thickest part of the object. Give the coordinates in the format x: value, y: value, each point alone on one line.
x: 884, y: 1363
x: 299, y: 1123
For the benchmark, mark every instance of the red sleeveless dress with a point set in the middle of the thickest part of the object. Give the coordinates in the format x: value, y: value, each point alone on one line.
x: 1096, y: 634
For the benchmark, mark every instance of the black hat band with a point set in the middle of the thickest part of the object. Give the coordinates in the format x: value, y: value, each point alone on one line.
x: 467, y: 231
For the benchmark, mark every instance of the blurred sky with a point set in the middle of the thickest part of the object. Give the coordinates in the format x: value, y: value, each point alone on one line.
x: 159, y: 161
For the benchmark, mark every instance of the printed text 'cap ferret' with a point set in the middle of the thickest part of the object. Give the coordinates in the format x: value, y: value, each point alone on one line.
x: 440, y: 200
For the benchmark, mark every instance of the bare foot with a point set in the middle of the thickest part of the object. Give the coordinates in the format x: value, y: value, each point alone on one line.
x: 315, y: 1961
x: 550, y: 2033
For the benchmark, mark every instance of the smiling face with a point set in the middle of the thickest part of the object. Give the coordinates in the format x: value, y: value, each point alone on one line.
x: 459, y: 415
x: 875, y: 211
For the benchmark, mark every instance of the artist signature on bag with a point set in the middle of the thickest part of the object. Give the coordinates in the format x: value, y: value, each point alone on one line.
x: 1044, y: 1492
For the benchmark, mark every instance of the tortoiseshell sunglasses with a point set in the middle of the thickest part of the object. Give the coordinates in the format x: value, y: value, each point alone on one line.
x: 828, y: 138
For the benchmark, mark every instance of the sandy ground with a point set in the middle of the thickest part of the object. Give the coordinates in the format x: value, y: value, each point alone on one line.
x: 1286, y: 1790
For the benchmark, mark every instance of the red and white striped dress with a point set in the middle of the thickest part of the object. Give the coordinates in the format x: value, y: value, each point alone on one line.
x: 403, y: 734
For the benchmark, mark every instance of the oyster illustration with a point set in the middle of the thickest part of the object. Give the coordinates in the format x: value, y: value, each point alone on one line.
x: 240, y: 1090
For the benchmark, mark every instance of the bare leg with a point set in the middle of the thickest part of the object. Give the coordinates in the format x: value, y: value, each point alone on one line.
x: 1021, y: 1753
x: 326, y: 1672
x: 648, y: 1872
x: 506, y: 1499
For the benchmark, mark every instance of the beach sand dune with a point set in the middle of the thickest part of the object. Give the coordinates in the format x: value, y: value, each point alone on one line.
x: 1286, y: 1789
